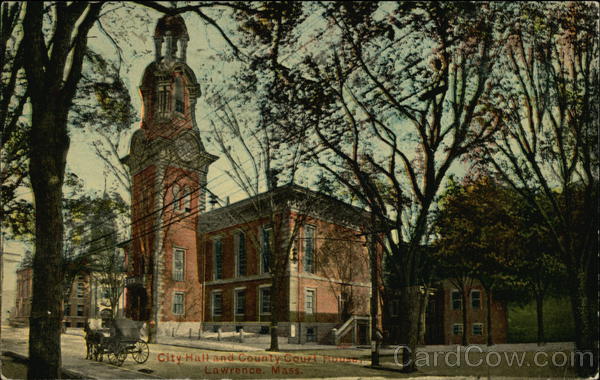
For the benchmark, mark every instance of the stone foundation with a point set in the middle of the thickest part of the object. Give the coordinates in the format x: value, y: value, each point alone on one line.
x: 179, y: 329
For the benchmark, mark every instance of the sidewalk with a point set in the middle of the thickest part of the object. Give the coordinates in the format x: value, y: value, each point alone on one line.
x: 250, y: 344
x: 209, y: 342
x: 73, y: 362
x: 86, y: 369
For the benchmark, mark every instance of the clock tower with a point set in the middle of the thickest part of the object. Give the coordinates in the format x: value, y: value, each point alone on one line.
x: 168, y: 166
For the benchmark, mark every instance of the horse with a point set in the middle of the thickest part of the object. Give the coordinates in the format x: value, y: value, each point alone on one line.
x: 92, y: 340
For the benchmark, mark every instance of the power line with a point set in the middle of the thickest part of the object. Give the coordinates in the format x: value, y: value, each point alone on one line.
x: 205, y: 116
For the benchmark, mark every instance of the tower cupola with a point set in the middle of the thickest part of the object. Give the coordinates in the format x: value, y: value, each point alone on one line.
x: 169, y: 88
x: 170, y: 39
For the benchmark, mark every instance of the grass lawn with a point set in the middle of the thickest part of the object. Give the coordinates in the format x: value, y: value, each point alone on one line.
x: 558, y: 322
x: 16, y: 368
x: 13, y: 368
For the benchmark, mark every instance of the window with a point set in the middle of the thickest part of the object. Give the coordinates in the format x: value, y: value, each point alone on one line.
x: 176, y: 196
x: 309, y: 302
x: 178, y: 303
x: 309, y: 248
x: 80, y: 289
x: 187, y: 199
x: 164, y: 100
x: 477, y: 329
x: 456, y: 300
x: 342, y: 303
x: 395, y: 307
x: 240, y: 254
x: 265, y: 252
x: 217, y: 303
x: 476, y: 299
x: 457, y: 329
x: 310, y: 334
x: 265, y: 300
x: 179, y: 105
x: 240, y: 301
x: 178, y: 264
x: 218, y: 259
x: 67, y: 310
x: 80, y: 310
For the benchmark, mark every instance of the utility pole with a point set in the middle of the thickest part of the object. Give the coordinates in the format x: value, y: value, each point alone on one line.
x: 1, y: 282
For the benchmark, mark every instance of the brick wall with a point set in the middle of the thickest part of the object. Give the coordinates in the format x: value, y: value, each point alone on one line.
x: 474, y: 316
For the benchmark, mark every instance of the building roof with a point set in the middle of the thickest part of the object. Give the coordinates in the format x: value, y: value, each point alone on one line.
x: 285, y: 198
x: 173, y: 24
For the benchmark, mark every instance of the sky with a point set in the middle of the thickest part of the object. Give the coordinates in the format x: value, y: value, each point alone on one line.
x: 138, y: 51
x: 132, y: 28
x: 129, y: 28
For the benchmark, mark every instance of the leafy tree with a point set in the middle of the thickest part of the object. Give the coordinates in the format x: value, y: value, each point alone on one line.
x: 259, y: 159
x: 390, y: 114
x: 547, y: 146
x: 54, y: 40
x: 487, y: 233
x: 106, y: 259
x: 342, y: 261
x: 51, y: 84
x: 456, y: 248
x: 109, y: 116
x: 16, y: 213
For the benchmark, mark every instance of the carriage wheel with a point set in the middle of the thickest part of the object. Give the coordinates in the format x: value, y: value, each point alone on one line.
x: 117, y: 354
x: 140, y: 352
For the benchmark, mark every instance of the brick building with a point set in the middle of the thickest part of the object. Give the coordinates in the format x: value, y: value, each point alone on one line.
x: 182, y: 269
x: 168, y: 165
x: 449, y: 304
x: 326, y: 280
x: 191, y: 270
x: 76, y: 308
x: 444, y: 317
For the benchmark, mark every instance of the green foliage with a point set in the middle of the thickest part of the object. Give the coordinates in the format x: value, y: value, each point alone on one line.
x: 487, y: 231
x: 102, y: 103
x: 558, y: 321
x: 15, y: 211
x: 91, y: 232
x: 474, y: 230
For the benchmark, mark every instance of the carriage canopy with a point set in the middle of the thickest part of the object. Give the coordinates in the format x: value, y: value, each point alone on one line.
x: 127, y: 328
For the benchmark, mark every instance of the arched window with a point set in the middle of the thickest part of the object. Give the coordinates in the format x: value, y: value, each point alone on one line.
x: 187, y: 199
x: 176, y: 198
x: 179, y: 105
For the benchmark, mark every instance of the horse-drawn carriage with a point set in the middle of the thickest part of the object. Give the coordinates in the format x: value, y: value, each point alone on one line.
x: 123, y: 338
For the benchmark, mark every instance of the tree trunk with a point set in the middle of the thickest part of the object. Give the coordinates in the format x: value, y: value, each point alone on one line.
x: 539, y: 308
x: 274, y: 315
x: 490, y: 328
x: 374, y: 264
x: 409, y: 326
x: 464, y: 340
x: 49, y: 146
x: 422, y: 317
x: 585, y: 328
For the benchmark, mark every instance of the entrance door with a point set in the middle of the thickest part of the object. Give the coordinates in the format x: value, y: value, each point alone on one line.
x: 363, y: 329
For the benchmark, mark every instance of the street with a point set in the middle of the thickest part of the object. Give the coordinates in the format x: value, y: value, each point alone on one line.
x: 168, y: 361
